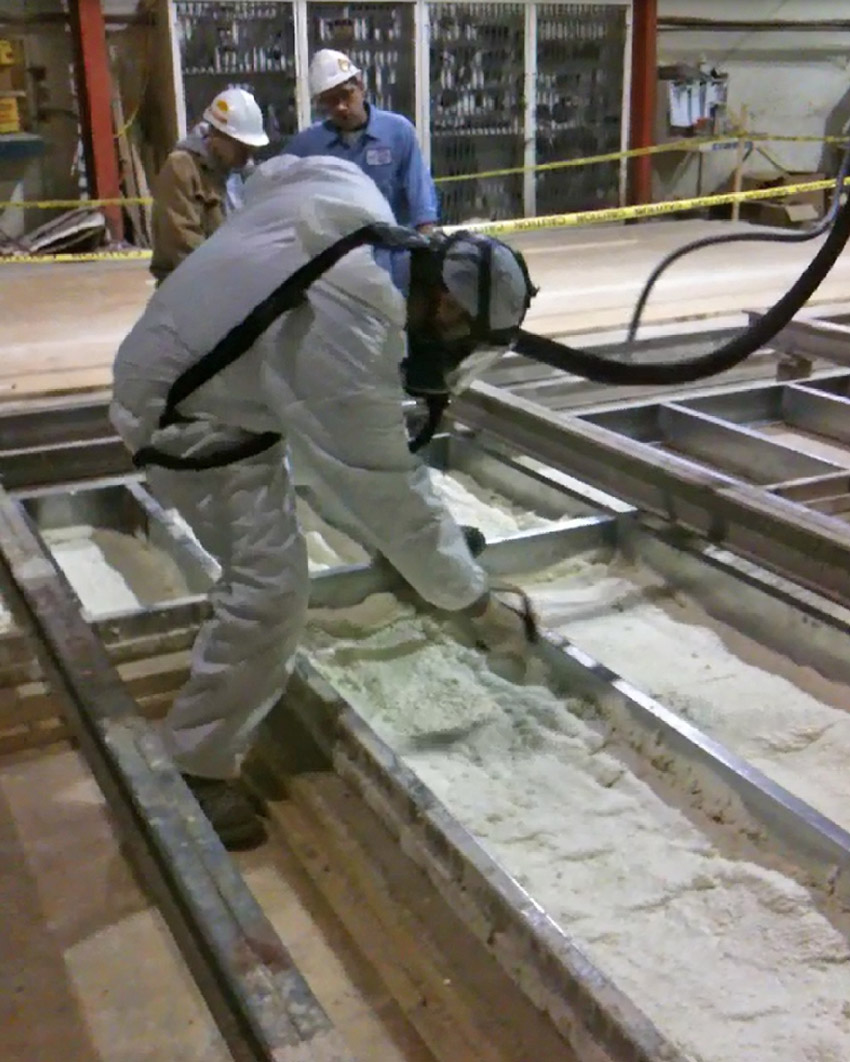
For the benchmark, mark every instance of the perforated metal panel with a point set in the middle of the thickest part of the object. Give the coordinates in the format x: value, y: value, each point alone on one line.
x: 249, y: 45
x: 379, y: 39
x: 476, y: 55
x: 580, y: 51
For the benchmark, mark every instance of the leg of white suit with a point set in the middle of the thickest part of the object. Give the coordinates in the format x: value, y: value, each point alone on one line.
x: 244, y: 516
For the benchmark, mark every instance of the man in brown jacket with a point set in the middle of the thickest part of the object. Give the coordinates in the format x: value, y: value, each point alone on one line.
x: 191, y: 193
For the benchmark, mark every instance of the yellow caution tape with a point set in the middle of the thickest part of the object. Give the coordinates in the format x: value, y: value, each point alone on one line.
x: 690, y: 144
x: 93, y: 256
x: 645, y: 210
x: 73, y: 204
x: 494, y: 228
x: 685, y: 144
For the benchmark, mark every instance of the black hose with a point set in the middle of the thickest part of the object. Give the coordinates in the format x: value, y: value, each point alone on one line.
x: 606, y: 370
x: 737, y: 237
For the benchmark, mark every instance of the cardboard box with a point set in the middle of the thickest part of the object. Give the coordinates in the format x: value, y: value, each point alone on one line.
x: 816, y: 199
x: 10, y: 116
x: 781, y: 215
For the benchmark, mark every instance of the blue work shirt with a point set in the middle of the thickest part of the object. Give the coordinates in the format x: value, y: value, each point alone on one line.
x: 386, y: 149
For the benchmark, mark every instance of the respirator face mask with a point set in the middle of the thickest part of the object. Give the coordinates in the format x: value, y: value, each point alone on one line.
x: 444, y: 362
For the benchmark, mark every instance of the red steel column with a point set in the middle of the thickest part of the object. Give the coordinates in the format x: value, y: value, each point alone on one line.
x: 94, y: 92
x: 643, y: 96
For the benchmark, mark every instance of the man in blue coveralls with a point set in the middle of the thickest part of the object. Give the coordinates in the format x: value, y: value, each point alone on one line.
x: 383, y: 144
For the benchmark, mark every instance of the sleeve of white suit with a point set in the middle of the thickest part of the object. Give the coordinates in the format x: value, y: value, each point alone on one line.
x: 338, y: 392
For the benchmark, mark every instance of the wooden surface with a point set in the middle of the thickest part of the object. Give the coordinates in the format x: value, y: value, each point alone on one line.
x: 88, y: 969
x: 60, y: 325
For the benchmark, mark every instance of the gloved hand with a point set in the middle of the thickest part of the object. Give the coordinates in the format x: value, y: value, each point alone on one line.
x: 476, y: 543
x: 500, y: 627
x: 475, y: 540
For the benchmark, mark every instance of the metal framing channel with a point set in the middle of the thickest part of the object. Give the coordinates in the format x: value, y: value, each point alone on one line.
x: 805, y: 546
x: 422, y: 77
x: 531, y: 948
x: 262, y: 1005
x: 593, y: 1015
x: 734, y: 591
x: 215, y: 921
x: 814, y: 339
x: 529, y: 182
x: 817, y: 411
x: 733, y: 449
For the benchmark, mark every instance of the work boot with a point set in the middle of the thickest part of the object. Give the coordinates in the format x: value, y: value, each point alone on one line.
x: 230, y: 811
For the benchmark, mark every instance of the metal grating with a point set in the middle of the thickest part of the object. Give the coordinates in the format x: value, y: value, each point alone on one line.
x: 379, y: 39
x: 248, y: 45
x: 580, y: 50
x: 476, y: 55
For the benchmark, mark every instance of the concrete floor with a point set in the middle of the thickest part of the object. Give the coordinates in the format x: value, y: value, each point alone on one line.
x: 61, y: 324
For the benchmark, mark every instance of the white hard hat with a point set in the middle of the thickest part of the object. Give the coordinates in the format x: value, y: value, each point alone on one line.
x: 329, y: 69
x: 236, y: 113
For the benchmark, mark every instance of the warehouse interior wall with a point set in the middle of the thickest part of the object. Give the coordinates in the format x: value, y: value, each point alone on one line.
x: 793, y: 82
x: 48, y: 48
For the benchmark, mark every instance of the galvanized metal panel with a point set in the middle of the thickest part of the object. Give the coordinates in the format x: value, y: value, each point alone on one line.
x: 580, y: 50
x: 379, y: 39
x: 248, y: 45
x: 477, y: 110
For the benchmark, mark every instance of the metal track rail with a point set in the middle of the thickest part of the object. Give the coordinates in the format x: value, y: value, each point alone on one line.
x: 760, y: 499
x: 44, y: 443
x: 262, y: 1005
x: 217, y: 922
x: 758, y: 521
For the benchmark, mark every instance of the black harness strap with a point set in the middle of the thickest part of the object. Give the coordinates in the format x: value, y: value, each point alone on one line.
x: 257, y: 444
x: 289, y: 294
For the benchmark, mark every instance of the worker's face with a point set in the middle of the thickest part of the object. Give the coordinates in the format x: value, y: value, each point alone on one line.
x: 452, y: 321
x: 345, y: 105
x: 230, y: 153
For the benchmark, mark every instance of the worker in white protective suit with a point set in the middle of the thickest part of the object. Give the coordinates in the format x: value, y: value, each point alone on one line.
x: 259, y: 341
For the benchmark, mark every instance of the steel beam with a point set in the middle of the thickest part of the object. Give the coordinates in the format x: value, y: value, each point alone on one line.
x: 735, y: 449
x: 817, y: 411
x: 66, y: 462
x: 262, y: 1005
x: 807, y: 547
x: 815, y: 339
x: 95, y: 92
x: 753, y: 404
x: 596, y: 1019
x: 39, y: 424
x: 643, y: 93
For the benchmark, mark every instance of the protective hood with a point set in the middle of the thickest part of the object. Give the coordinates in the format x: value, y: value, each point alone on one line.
x: 333, y: 199
x: 195, y: 142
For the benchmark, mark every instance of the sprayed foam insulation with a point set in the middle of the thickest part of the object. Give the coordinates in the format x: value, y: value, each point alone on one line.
x: 729, y: 958
x: 467, y: 500
x: 111, y: 571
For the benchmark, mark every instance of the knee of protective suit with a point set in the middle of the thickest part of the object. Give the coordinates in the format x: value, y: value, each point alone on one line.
x: 273, y: 604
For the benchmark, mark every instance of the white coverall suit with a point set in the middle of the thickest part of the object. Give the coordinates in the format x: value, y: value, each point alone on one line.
x: 325, y: 376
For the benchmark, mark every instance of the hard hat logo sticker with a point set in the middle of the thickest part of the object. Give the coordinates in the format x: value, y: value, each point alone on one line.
x: 344, y: 65
x: 223, y: 106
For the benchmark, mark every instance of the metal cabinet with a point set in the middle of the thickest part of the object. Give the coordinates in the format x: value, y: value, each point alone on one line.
x: 249, y: 44
x: 379, y: 38
x: 506, y: 84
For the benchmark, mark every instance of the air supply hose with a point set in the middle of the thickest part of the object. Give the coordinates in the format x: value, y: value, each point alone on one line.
x: 606, y: 370
x: 738, y: 237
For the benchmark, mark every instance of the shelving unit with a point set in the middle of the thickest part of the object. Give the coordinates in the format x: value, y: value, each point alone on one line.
x: 489, y: 85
